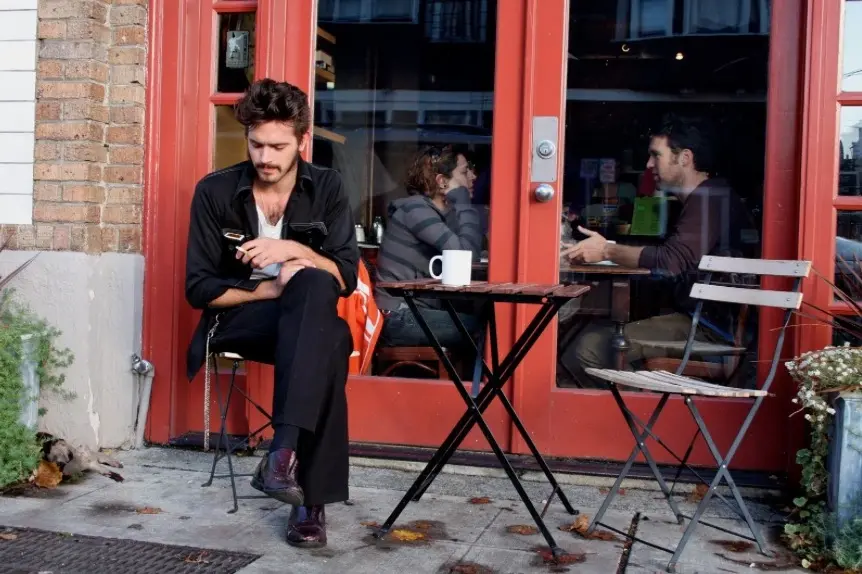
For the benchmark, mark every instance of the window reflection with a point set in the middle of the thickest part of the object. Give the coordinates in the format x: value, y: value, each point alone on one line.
x: 851, y: 77
x: 850, y: 151
x: 665, y: 137
x: 383, y: 96
x: 229, y: 145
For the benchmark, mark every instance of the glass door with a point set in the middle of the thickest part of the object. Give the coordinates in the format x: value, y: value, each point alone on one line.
x: 643, y: 102
x: 405, y: 93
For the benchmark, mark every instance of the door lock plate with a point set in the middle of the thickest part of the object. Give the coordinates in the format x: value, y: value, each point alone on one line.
x: 543, y: 168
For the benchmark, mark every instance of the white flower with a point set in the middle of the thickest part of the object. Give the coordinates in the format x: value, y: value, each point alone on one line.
x: 795, y: 401
x: 830, y: 410
x: 807, y: 417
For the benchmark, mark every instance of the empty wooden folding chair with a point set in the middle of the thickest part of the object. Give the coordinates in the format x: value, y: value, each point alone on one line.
x: 694, y: 391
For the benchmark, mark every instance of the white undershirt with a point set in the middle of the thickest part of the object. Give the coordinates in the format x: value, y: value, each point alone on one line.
x: 270, y: 232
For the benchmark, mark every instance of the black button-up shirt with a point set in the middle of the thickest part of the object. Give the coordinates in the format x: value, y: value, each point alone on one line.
x: 223, y: 201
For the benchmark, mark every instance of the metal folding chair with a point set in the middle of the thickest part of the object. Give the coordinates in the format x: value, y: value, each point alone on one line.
x: 224, y: 441
x: 668, y: 384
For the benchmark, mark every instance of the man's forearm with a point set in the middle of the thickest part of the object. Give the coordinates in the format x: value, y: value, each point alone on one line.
x: 624, y: 255
x: 327, y: 265
x: 233, y: 297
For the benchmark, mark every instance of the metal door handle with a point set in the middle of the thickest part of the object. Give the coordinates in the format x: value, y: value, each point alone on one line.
x: 544, y: 193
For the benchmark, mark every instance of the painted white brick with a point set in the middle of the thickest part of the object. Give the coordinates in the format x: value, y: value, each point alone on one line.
x: 17, y: 24
x: 17, y: 86
x: 18, y: 5
x: 18, y: 54
x: 17, y: 116
x: 16, y: 209
x: 16, y: 148
x: 16, y: 179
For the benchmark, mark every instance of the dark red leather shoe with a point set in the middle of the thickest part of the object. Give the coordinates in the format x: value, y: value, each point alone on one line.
x: 306, y: 527
x: 276, y: 477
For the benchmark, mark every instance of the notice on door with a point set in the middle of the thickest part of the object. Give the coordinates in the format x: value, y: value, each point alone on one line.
x: 237, y: 49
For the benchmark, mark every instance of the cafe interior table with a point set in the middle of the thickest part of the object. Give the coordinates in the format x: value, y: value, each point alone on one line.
x: 619, y: 306
x: 550, y: 298
x: 620, y: 279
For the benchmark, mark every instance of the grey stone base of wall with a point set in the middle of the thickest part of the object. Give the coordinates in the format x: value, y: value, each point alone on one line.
x: 96, y: 301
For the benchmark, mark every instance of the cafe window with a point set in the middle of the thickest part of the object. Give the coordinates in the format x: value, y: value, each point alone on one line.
x: 848, y: 240
x: 385, y: 94
x: 641, y: 19
x: 705, y: 77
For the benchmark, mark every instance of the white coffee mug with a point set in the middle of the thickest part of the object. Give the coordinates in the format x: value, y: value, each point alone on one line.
x: 457, y: 267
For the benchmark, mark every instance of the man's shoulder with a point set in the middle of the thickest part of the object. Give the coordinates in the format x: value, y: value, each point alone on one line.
x: 321, y: 175
x: 224, y: 180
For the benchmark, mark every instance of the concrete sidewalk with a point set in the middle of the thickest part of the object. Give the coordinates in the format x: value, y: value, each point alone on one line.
x: 460, y: 534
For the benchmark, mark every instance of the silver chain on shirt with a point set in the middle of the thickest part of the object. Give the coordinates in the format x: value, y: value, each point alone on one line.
x: 207, y: 384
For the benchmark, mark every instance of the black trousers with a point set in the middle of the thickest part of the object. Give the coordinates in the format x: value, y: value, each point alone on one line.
x: 310, y: 346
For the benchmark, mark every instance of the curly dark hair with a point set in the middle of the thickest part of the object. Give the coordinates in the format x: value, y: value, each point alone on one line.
x: 694, y: 134
x: 267, y: 100
x: 429, y: 163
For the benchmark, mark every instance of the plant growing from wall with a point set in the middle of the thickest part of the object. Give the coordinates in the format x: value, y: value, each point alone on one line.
x: 813, y: 532
x: 19, y: 449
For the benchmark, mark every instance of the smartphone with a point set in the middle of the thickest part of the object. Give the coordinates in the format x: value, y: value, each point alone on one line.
x: 235, y: 238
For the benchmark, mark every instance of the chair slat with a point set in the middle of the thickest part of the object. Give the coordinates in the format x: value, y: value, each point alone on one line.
x: 768, y: 267
x: 637, y: 381
x: 714, y: 386
x: 741, y: 295
x: 702, y: 388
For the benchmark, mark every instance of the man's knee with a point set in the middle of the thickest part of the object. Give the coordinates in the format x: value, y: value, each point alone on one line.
x: 312, y: 283
x: 590, y: 348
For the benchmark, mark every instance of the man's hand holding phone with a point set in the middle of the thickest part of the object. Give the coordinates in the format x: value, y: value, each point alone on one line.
x: 261, y: 252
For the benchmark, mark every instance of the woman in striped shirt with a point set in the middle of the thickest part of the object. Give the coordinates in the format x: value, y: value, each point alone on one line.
x: 437, y: 215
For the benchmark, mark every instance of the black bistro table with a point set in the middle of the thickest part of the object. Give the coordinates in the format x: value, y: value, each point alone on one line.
x: 550, y: 298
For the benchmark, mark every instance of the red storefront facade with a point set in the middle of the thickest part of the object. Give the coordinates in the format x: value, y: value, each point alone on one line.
x: 544, y: 63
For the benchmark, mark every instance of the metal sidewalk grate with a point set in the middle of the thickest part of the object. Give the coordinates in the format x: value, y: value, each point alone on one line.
x: 25, y: 550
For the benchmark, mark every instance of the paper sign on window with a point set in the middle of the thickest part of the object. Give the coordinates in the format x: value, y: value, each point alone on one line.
x: 237, y: 49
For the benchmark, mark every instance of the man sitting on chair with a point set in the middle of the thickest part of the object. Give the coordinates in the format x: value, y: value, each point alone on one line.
x: 713, y: 221
x: 271, y: 248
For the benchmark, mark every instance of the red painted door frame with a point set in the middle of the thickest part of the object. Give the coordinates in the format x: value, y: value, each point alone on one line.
x: 585, y: 423
x: 180, y: 135
x: 531, y: 72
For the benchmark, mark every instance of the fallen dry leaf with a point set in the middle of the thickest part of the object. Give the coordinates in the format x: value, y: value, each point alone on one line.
x: 8, y: 536
x: 737, y: 546
x: 606, y: 490
x: 369, y: 524
x: 480, y: 500
x: 522, y: 529
x: 564, y: 558
x: 48, y: 475
x: 698, y: 493
x: 199, y: 558
x: 404, y: 535
x: 582, y: 524
x: 149, y: 510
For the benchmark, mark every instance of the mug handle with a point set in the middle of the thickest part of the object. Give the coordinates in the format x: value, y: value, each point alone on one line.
x: 431, y: 267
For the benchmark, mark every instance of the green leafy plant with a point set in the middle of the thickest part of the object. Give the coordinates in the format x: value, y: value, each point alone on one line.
x: 813, y: 532
x: 19, y: 449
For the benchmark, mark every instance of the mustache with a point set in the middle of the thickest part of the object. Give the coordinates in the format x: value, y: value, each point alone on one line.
x: 265, y: 166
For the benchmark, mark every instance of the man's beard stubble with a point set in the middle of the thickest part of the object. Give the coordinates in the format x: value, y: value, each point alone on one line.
x: 276, y: 176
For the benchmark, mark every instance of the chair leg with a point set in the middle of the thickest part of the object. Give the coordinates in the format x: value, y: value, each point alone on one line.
x: 213, y: 364
x: 640, y: 438
x: 722, y: 473
x: 228, y: 447
x: 684, y: 462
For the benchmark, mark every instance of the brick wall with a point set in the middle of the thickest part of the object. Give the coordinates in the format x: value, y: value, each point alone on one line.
x: 90, y: 90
